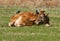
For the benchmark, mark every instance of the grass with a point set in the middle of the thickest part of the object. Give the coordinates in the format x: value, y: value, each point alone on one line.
x: 29, y: 33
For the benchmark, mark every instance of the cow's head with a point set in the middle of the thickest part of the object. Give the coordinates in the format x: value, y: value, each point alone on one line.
x: 42, y: 18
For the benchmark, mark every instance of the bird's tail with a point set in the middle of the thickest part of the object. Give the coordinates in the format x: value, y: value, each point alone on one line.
x: 18, y: 12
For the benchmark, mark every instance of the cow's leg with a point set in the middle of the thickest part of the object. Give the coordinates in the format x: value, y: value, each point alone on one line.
x: 36, y: 22
x: 17, y: 24
x: 18, y: 21
x: 29, y: 23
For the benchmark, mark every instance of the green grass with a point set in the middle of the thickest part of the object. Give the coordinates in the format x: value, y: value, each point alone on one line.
x: 29, y: 33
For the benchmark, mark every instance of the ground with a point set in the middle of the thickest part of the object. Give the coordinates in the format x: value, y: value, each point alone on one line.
x: 29, y: 33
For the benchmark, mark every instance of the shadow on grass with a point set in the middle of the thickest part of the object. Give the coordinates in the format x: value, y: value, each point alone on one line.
x: 34, y: 25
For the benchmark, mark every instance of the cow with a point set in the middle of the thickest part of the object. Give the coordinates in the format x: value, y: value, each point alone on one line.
x: 29, y: 18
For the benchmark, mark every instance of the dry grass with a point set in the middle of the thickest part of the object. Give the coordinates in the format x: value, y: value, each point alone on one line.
x: 34, y: 3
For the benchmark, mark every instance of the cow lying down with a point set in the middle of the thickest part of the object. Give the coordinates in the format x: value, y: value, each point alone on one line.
x: 29, y: 18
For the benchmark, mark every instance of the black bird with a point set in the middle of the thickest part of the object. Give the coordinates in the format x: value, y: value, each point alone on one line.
x: 18, y: 12
x: 37, y: 12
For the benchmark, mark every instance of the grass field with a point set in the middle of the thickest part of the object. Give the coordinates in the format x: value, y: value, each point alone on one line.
x: 29, y: 33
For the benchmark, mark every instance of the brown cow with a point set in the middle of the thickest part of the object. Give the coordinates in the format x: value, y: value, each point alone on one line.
x: 28, y: 18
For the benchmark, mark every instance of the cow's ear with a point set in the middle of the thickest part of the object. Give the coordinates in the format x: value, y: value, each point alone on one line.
x: 37, y: 12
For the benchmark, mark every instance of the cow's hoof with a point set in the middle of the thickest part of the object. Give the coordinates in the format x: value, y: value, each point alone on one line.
x: 47, y: 25
x: 9, y: 24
